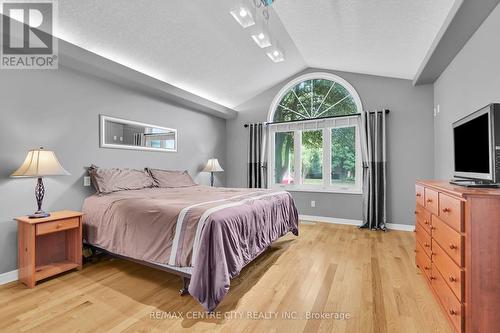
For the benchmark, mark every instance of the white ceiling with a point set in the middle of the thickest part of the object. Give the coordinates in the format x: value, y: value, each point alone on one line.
x: 197, y: 46
x: 381, y: 37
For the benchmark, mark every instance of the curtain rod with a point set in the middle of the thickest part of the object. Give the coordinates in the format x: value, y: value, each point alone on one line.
x: 294, y: 121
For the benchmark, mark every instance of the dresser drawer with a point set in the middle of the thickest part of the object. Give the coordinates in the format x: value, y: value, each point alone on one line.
x: 453, y: 275
x: 423, y: 238
x: 419, y: 194
x: 423, y: 217
x: 431, y: 201
x: 450, y: 240
x: 453, y: 308
x: 450, y: 211
x: 49, y: 227
x: 423, y: 261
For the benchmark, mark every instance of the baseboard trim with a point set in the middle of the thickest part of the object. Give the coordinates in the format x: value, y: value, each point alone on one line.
x: 9, y: 277
x: 401, y: 227
x: 324, y: 219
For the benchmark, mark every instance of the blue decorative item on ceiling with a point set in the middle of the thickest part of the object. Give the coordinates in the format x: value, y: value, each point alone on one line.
x: 267, y: 2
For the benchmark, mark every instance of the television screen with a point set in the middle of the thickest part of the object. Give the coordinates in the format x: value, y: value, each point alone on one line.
x: 472, y: 151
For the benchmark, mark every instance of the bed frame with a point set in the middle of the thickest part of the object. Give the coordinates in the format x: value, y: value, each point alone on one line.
x: 183, y: 272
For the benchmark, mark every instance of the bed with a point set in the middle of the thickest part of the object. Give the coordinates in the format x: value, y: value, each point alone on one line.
x: 204, y: 234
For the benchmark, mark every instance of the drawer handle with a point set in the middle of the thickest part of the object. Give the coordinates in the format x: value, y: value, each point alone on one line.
x: 452, y: 246
x: 427, y: 268
x: 453, y: 312
x: 433, y: 278
x: 419, y: 195
x: 433, y: 253
x: 433, y: 228
x: 426, y: 222
x: 452, y: 279
x: 59, y: 225
x: 429, y: 200
x: 427, y: 245
x: 416, y: 251
x: 446, y: 210
x: 416, y: 213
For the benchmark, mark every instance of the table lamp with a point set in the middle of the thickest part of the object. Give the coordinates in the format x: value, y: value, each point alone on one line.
x: 212, y: 166
x: 38, y: 164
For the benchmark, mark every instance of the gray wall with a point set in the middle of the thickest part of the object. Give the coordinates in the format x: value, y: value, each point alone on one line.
x: 471, y: 81
x: 410, y: 145
x: 60, y: 111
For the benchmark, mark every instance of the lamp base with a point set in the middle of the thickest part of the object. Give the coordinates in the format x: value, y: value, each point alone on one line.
x: 39, y: 215
x: 39, y: 194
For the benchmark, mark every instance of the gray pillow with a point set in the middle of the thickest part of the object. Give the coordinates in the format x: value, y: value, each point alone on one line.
x: 115, y: 179
x: 171, y: 179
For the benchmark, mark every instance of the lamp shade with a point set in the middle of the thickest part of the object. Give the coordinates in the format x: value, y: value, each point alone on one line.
x: 213, y: 166
x: 40, y: 163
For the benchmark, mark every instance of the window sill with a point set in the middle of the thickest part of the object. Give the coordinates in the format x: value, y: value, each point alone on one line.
x: 319, y: 190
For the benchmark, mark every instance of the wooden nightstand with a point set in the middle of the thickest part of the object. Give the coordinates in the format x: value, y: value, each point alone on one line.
x: 49, y: 246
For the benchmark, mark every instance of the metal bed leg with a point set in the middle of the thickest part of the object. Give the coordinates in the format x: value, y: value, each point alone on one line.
x: 185, y: 286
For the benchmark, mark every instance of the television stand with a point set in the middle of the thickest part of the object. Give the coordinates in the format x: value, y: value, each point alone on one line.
x: 473, y: 183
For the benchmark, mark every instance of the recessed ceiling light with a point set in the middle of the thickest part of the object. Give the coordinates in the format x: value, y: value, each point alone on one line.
x: 276, y: 55
x: 243, y: 16
x: 262, y: 39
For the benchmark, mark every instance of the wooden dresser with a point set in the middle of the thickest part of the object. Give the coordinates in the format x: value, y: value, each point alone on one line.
x: 458, y: 251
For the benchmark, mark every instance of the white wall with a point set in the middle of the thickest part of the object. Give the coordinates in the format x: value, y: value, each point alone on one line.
x: 471, y: 81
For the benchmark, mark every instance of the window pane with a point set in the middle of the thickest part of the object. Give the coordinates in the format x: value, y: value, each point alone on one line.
x: 343, y: 156
x: 312, y: 157
x: 283, y: 158
x: 315, y: 98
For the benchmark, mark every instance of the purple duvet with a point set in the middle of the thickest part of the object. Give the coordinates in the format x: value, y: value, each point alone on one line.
x: 215, y: 231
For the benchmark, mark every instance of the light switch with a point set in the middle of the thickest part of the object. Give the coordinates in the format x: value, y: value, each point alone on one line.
x: 86, y: 181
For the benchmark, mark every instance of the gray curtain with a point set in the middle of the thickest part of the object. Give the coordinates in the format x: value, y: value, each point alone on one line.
x: 373, y: 147
x: 257, y: 166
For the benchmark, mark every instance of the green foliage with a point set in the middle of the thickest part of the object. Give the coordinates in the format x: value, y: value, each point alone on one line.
x: 344, y: 152
x: 312, y: 154
x: 314, y: 99
x: 284, y: 154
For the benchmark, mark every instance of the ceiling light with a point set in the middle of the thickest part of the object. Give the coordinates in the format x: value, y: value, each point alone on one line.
x: 262, y: 39
x: 276, y: 55
x: 243, y: 16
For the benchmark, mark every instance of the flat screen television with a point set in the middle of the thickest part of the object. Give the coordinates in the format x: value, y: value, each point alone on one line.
x: 476, y: 153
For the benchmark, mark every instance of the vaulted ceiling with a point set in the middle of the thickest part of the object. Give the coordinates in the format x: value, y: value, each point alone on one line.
x: 197, y: 46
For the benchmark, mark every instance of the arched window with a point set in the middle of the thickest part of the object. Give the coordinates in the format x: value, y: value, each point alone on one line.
x: 314, y: 136
x: 315, y: 95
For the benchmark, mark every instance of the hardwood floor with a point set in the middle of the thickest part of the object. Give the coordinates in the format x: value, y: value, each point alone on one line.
x: 369, y: 276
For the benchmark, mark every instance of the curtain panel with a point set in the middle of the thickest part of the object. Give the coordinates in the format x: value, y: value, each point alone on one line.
x: 374, y: 154
x: 257, y: 157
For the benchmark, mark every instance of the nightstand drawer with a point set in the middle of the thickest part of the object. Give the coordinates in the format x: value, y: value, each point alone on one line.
x: 55, y: 226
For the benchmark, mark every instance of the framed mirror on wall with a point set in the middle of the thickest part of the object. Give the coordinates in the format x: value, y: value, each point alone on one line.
x: 127, y: 134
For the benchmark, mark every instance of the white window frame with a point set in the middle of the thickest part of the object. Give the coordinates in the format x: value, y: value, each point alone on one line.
x: 298, y: 126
